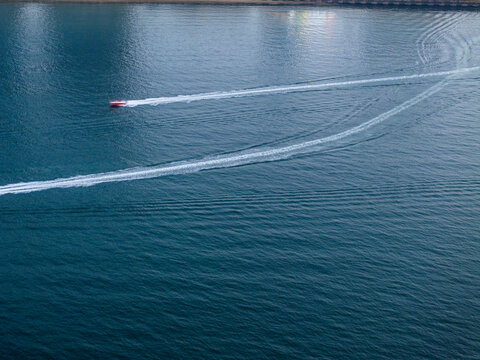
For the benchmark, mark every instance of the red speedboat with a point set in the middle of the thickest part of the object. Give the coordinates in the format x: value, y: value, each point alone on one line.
x: 117, y: 103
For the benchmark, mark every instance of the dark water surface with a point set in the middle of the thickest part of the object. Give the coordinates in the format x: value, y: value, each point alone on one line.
x: 338, y: 223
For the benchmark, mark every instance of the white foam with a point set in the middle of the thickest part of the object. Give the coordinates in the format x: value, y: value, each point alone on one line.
x: 286, y: 89
x: 225, y: 161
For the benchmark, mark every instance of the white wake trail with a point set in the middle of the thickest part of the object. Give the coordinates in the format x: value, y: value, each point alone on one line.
x: 225, y: 161
x: 286, y: 89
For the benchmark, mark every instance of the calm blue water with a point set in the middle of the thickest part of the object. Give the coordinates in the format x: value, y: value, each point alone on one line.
x: 337, y: 223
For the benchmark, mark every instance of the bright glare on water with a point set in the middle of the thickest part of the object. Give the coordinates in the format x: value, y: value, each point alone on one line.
x: 284, y: 182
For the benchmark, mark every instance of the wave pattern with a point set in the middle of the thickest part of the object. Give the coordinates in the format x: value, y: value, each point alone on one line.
x: 430, y: 38
x: 231, y: 160
x: 421, y: 189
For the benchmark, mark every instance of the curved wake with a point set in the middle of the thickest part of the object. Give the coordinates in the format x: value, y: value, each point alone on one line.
x: 221, y: 161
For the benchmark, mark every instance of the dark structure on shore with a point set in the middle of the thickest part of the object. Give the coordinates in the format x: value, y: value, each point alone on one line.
x: 443, y: 3
x: 427, y: 3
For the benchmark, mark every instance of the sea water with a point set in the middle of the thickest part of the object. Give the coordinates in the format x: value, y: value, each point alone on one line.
x: 287, y: 182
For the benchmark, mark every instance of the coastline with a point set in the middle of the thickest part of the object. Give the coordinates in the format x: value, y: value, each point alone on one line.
x: 406, y: 3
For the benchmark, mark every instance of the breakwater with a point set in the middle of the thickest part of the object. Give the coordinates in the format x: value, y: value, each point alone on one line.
x: 404, y: 2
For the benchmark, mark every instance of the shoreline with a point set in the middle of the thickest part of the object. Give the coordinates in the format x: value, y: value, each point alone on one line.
x: 401, y: 3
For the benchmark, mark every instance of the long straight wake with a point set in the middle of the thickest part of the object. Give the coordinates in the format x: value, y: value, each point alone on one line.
x: 286, y: 89
x: 226, y: 161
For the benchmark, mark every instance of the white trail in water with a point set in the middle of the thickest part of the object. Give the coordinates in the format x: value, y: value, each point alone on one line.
x: 225, y: 161
x: 286, y: 89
